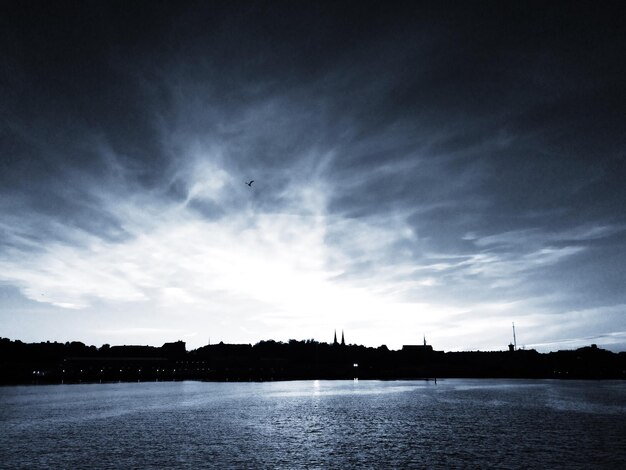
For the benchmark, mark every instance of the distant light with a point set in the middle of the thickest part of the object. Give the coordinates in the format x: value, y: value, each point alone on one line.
x: 356, y: 365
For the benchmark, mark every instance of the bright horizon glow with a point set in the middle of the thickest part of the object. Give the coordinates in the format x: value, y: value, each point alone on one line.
x: 271, y: 269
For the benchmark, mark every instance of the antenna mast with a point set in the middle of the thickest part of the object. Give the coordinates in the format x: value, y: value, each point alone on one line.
x: 514, y: 340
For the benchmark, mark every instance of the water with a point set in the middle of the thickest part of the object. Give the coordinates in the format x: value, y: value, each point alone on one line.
x: 325, y: 424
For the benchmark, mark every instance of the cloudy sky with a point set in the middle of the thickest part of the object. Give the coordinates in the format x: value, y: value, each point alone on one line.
x: 420, y: 169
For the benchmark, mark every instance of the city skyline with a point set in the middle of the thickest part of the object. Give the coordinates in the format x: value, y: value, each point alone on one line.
x: 419, y: 170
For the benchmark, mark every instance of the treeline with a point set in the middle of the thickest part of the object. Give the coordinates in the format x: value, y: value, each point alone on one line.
x: 273, y: 360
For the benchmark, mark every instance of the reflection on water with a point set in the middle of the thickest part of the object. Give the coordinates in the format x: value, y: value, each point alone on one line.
x: 329, y: 424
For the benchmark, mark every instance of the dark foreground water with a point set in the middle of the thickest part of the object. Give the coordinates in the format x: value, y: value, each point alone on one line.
x: 454, y: 424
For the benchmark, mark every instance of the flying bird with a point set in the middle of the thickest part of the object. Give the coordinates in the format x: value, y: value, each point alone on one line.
x: 249, y: 183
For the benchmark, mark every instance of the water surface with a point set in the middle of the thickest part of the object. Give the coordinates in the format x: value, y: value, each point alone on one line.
x: 316, y: 424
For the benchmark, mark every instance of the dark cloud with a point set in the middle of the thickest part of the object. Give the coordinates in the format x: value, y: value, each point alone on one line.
x: 488, y: 136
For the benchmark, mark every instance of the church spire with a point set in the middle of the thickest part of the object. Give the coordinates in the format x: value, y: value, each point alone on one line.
x: 335, y: 340
x: 343, y: 342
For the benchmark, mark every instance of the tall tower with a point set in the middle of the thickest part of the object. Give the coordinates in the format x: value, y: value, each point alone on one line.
x: 343, y: 342
x: 514, y: 339
x: 424, y: 340
x: 335, y: 340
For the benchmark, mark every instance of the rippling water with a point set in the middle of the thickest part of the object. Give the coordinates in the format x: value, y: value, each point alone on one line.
x: 321, y: 424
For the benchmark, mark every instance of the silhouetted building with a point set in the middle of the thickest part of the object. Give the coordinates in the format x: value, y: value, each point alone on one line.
x: 417, y: 348
x: 335, y: 343
x: 176, y: 349
x: 343, y: 341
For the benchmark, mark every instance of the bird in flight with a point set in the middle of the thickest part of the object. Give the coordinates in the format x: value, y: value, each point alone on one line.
x: 249, y: 183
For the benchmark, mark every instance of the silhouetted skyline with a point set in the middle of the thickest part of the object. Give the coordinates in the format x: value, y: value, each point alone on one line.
x: 438, y: 169
x: 74, y: 362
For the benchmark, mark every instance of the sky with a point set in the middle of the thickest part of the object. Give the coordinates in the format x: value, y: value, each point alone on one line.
x: 435, y: 170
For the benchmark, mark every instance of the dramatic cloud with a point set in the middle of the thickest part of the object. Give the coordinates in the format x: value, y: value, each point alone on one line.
x: 418, y: 170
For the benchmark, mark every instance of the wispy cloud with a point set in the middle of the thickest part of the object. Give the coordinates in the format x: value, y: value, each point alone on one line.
x: 296, y: 262
x: 407, y: 182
